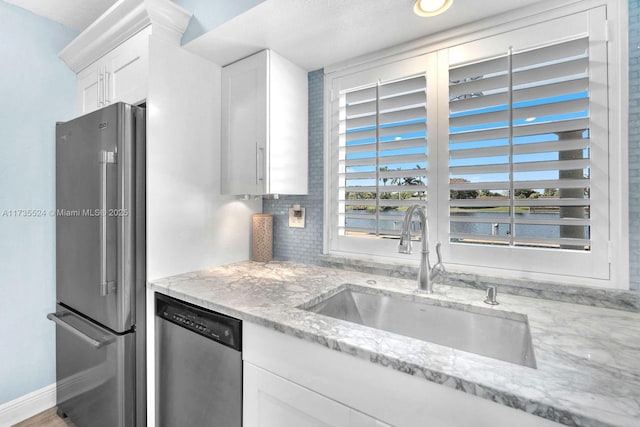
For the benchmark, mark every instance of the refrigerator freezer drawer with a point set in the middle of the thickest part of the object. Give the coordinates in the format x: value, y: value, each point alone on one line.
x: 95, y: 372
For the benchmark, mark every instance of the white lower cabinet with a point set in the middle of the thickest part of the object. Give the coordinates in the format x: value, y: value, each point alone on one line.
x: 272, y: 401
x: 292, y: 382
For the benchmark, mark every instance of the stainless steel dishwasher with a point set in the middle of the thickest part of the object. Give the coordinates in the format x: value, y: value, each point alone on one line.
x: 198, y: 366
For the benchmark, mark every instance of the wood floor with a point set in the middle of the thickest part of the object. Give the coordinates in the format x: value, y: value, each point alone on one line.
x: 48, y: 418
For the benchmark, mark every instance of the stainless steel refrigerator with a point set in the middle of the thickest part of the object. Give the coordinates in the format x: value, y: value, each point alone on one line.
x: 100, y: 268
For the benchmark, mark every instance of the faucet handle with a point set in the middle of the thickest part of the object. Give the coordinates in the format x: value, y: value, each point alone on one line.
x: 438, y: 268
x: 438, y: 253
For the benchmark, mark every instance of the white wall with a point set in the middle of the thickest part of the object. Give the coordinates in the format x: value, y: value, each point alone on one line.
x: 36, y: 90
x: 190, y: 226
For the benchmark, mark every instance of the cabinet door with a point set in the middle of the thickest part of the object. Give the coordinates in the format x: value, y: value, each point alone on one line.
x: 272, y: 401
x: 287, y: 163
x: 119, y: 76
x: 244, y: 126
x: 88, y: 94
x: 126, y: 69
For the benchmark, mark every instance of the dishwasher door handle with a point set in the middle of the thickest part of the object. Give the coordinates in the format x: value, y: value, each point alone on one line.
x: 58, y: 317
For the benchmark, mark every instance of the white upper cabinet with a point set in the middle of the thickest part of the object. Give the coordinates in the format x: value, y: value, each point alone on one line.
x: 127, y: 68
x: 119, y: 76
x: 264, y: 126
x: 111, y: 56
x: 89, y: 87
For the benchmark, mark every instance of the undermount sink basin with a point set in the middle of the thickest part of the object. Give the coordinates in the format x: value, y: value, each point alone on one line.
x: 488, y: 333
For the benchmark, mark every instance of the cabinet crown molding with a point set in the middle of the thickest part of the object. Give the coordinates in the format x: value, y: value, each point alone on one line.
x: 121, y: 21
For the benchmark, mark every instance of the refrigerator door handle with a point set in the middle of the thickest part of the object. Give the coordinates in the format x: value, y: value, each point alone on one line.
x: 106, y: 157
x: 57, y: 318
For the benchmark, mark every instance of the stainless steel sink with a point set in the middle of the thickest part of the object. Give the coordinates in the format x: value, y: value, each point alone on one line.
x: 500, y: 335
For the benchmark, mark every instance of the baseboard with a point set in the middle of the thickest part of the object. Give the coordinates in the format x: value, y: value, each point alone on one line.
x: 28, y: 405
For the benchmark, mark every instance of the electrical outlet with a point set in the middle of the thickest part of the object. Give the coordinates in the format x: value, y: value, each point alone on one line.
x: 296, y: 216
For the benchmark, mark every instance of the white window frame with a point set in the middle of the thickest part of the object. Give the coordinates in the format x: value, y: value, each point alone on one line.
x: 435, y: 55
x: 385, y: 73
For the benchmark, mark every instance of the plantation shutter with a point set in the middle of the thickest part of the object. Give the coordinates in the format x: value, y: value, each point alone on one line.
x: 382, y: 156
x: 519, y: 149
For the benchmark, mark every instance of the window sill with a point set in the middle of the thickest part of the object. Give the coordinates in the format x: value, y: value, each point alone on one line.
x: 596, y: 297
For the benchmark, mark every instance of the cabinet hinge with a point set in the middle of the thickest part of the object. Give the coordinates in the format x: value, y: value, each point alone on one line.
x: 606, y: 31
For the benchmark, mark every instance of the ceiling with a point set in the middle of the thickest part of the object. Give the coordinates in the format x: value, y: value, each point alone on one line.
x: 318, y: 33
x: 76, y: 14
x: 311, y: 33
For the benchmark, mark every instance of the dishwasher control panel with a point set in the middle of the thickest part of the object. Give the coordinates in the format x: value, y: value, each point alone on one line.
x: 216, y: 326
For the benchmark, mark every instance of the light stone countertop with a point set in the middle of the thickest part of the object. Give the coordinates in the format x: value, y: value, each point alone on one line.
x: 588, y: 358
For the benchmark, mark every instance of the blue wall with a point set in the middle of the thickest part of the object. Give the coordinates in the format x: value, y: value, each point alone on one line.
x: 306, y: 245
x: 36, y: 90
x: 208, y: 14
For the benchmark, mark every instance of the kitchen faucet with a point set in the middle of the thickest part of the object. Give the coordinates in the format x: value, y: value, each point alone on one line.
x: 427, y: 274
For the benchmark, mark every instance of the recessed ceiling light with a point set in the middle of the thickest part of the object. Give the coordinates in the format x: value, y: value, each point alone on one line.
x: 430, y: 7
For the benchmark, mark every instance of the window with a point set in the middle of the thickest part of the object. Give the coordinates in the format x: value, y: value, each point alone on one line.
x: 382, y: 156
x: 505, y: 140
x: 379, y: 134
x: 519, y: 148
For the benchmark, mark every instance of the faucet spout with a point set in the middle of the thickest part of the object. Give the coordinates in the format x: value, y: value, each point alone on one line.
x: 426, y: 275
x: 405, y: 236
